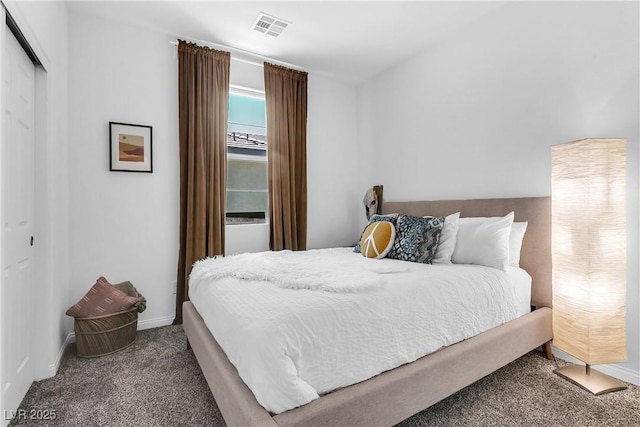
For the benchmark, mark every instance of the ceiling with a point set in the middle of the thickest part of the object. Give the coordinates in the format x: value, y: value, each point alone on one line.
x: 347, y: 40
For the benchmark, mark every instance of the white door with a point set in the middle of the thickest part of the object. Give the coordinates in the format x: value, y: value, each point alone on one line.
x: 18, y: 93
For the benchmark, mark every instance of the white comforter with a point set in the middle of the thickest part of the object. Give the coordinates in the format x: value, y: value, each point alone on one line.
x: 292, y: 345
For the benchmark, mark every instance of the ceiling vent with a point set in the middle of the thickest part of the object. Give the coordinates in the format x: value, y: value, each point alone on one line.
x: 269, y: 25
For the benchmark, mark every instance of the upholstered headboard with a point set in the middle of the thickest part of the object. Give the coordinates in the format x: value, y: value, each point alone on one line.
x: 536, y: 248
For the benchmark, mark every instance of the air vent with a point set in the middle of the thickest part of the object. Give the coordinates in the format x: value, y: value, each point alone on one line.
x: 269, y: 25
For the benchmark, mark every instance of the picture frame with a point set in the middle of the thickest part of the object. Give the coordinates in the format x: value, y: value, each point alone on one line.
x: 130, y: 147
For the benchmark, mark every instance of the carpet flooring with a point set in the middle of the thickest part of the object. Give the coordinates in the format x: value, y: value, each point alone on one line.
x: 157, y: 382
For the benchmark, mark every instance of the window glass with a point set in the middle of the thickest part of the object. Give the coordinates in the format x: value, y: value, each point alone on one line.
x: 247, y: 187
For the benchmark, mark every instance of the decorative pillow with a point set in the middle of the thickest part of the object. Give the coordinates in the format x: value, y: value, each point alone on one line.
x: 416, y: 239
x: 483, y: 241
x: 515, y: 242
x: 102, y: 299
x: 377, y: 239
x: 447, y: 242
x: 392, y: 218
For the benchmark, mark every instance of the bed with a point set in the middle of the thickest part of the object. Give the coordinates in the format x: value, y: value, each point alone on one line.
x: 396, y: 394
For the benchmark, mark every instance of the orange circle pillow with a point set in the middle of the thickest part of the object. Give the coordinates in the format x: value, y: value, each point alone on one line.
x: 377, y: 239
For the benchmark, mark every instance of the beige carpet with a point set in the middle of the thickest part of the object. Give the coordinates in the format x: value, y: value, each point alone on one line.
x: 157, y: 382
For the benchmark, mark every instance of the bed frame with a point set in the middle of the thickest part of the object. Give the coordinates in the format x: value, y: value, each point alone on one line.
x: 395, y: 395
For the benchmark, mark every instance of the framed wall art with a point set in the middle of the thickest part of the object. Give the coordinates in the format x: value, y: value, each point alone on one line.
x: 130, y: 147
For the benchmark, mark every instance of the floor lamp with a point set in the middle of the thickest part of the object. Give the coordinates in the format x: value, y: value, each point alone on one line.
x: 589, y: 256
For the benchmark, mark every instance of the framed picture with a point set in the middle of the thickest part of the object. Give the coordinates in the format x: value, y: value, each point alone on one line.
x: 130, y: 147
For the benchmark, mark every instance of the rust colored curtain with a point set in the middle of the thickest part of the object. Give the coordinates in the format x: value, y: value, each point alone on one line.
x: 286, y: 103
x: 203, y: 97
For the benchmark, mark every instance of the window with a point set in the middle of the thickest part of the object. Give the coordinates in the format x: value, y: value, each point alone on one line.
x: 247, y: 187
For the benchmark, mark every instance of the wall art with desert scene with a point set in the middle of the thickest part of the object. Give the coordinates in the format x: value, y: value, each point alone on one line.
x: 130, y: 147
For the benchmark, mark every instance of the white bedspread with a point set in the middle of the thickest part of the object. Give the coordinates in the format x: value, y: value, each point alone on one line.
x: 291, y: 345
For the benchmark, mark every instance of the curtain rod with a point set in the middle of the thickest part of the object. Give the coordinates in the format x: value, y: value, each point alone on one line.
x: 242, y: 52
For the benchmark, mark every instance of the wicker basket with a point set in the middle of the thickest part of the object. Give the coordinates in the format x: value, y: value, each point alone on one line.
x: 102, y: 335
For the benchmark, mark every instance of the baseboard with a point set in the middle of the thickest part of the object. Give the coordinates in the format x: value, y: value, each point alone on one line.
x: 155, y: 323
x: 616, y: 371
x: 52, y: 369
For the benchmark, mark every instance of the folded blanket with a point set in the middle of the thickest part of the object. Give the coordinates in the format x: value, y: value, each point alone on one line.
x: 131, y: 291
x: 327, y: 270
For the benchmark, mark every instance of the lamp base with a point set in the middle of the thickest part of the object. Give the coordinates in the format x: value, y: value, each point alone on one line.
x: 590, y: 379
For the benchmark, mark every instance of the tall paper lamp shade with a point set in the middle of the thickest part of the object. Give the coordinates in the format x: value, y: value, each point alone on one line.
x: 589, y: 249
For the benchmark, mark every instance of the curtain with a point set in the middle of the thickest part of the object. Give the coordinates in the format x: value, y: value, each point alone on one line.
x: 286, y: 104
x: 203, y: 98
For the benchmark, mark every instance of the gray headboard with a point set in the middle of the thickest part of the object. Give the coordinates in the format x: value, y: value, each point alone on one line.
x: 535, y: 257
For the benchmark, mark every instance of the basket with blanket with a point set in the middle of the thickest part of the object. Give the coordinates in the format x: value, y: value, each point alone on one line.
x: 106, y: 318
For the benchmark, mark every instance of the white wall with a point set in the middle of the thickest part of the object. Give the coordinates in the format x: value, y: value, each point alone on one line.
x: 475, y: 115
x: 125, y: 225
x: 334, y: 191
x: 44, y: 25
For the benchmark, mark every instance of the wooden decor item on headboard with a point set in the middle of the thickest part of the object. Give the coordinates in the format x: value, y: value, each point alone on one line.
x: 378, y: 190
x: 373, y: 201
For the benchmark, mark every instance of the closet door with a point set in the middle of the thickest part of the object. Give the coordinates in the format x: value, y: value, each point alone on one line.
x: 18, y: 187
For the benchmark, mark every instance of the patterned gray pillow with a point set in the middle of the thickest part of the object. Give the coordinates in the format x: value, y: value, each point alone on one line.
x: 416, y: 238
x: 392, y: 218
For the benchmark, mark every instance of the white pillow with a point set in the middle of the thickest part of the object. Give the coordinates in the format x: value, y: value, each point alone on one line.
x: 515, y: 242
x: 447, y: 243
x: 483, y: 241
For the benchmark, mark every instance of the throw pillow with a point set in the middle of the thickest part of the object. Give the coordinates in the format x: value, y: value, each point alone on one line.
x: 102, y: 299
x: 447, y: 242
x: 483, y: 241
x: 377, y: 239
x: 515, y: 242
x: 392, y: 218
x: 416, y: 239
